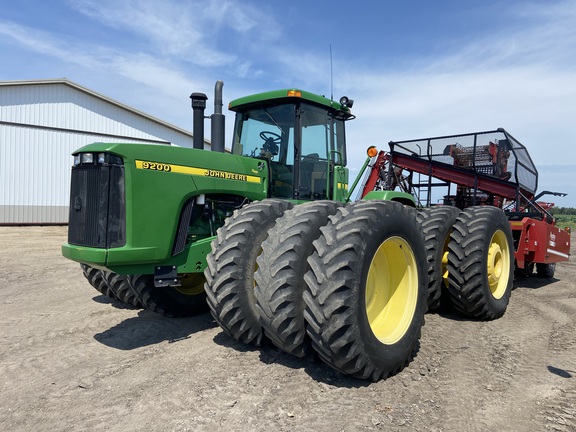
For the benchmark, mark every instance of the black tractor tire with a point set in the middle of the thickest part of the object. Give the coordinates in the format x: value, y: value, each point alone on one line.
x: 280, y: 277
x: 186, y: 300
x: 231, y: 266
x: 481, y: 263
x: 436, y: 225
x: 96, y: 278
x: 119, y: 285
x: 545, y: 270
x: 367, y: 289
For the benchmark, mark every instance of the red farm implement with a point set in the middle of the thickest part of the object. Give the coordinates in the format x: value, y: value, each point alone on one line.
x: 470, y: 172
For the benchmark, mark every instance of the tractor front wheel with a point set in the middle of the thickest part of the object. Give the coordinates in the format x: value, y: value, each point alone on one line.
x: 367, y: 289
x: 185, y: 300
x: 119, y: 285
x: 96, y: 278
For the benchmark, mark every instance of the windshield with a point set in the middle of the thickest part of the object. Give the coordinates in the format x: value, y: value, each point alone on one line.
x: 259, y: 131
x: 297, y: 146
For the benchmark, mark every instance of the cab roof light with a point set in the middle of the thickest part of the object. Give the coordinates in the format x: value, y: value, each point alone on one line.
x: 294, y: 93
x: 346, y: 102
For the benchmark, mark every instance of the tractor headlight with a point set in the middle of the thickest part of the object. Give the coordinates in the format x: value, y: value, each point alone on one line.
x: 87, y: 158
x: 102, y: 158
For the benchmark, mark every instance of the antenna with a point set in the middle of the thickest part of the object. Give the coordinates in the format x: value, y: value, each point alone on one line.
x: 331, y: 76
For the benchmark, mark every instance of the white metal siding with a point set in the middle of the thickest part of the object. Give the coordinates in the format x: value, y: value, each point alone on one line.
x: 43, y: 125
x: 35, y: 173
x: 64, y: 107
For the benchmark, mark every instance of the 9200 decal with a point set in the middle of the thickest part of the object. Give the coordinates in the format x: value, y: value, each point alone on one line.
x: 156, y: 166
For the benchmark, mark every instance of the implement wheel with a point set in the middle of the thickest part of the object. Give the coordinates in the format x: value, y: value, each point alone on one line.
x: 367, y: 289
x: 280, y: 277
x: 436, y: 224
x: 231, y: 266
x: 481, y: 263
x: 119, y: 285
x: 189, y: 299
x: 545, y: 270
x: 96, y: 278
x: 524, y: 272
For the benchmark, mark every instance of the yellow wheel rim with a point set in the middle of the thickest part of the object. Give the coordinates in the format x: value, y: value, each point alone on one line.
x: 392, y: 290
x: 191, y: 284
x: 445, y: 261
x: 498, y: 265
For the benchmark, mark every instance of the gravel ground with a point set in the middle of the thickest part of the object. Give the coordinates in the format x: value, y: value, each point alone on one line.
x: 74, y: 360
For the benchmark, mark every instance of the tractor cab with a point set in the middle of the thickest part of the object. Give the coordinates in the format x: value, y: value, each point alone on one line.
x: 301, y: 137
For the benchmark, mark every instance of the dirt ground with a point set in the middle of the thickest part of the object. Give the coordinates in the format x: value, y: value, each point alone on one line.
x: 73, y: 360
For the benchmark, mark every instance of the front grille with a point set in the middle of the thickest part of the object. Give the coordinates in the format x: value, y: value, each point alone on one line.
x: 97, y: 206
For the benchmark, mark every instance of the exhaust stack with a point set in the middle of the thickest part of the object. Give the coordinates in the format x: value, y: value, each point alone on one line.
x: 198, y: 107
x: 218, y: 120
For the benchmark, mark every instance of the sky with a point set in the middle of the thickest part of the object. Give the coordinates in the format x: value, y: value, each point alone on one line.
x: 414, y: 68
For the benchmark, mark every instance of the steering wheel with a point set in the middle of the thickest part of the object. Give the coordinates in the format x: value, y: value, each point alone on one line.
x: 267, y: 135
x: 271, y: 141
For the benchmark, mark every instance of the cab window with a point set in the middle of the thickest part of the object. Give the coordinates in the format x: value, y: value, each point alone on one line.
x: 322, y: 144
x: 268, y: 133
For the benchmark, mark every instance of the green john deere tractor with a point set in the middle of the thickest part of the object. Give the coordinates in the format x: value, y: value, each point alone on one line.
x: 264, y: 236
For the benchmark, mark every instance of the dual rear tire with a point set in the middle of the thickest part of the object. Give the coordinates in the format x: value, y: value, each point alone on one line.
x: 481, y: 263
x: 231, y: 266
x: 366, y: 289
x: 470, y: 257
x: 280, y: 284
x: 359, y: 299
x: 436, y: 225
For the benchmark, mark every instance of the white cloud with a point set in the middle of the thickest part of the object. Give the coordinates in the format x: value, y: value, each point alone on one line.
x: 174, y: 29
x: 230, y: 13
x: 188, y: 30
x: 43, y: 43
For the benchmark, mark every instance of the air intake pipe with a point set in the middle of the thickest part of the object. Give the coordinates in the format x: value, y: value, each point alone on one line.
x: 218, y: 120
x: 198, y: 107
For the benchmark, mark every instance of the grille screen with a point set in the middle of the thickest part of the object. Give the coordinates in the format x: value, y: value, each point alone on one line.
x: 97, y: 206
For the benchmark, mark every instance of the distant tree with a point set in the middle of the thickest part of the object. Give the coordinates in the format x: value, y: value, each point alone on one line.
x: 563, y: 211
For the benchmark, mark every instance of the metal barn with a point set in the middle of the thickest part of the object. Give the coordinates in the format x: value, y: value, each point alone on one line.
x: 41, y: 124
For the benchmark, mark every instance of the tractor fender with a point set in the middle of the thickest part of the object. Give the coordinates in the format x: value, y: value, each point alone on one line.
x: 401, y: 197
